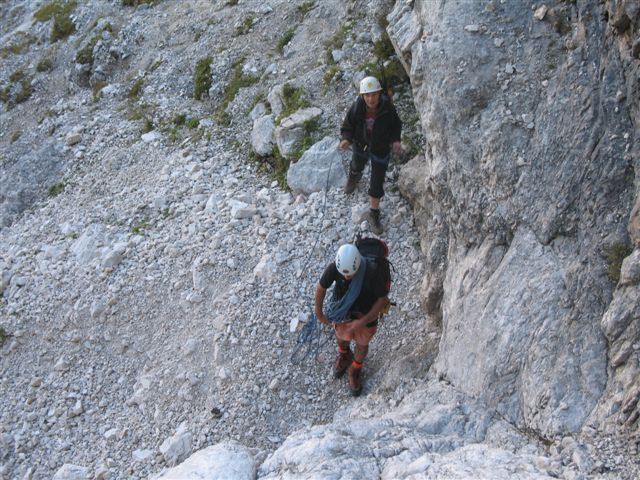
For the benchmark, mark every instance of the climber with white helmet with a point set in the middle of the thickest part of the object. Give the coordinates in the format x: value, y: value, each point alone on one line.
x: 372, y: 127
x: 364, y: 287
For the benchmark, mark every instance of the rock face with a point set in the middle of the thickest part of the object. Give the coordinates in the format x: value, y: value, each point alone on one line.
x: 526, y: 185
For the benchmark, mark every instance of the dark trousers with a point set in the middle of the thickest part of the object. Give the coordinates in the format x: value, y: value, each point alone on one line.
x: 378, y: 169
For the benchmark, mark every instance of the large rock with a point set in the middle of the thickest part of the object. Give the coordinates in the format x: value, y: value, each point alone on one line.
x: 176, y: 447
x: 224, y: 461
x: 435, y: 433
x: 292, y: 129
x: 262, y: 135
x: 69, y: 471
x: 524, y: 183
x: 318, y: 168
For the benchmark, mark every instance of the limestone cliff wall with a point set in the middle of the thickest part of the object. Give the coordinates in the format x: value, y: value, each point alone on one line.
x: 526, y: 189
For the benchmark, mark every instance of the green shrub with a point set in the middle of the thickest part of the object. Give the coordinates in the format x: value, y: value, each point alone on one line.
x: 45, y: 65
x: 139, y: 227
x: 60, y: 11
x: 5, y: 94
x: 57, y: 7
x: 25, y: 91
x: 383, y: 48
x: 238, y: 80
x: 616, y: 253
x: 331, y: 72
x: 245, y: 26
x: 63, y: 26
x: 280, y: 167
x: 336, y: 41
x: 306, y: 7
x: 293, y: 100
x: 202, y: 78
x: 136, y: 88
x: 18, y: 45
x: 286, y: 38
x: 17, y: 75
x: 193, y: 123
x: 391, y: 74
x: 180, y: 119
x: 135, y: 3
x: 84, y: 56
x: 55, y: 190
x: 3, y: 336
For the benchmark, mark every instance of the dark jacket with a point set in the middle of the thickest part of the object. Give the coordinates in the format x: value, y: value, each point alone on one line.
x: 373, y: 287
x: 386, y: 128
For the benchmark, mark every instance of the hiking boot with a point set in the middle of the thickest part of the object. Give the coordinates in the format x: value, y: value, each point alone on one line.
x: 355, y: 380
x: 352, y: 182
x: 373, y: 217
x: 343, y: 360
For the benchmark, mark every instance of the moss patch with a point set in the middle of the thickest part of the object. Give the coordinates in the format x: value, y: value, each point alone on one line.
x: 55, y: 190
x: 616, y: 253
x: 238, y: 80
x: 285, y: 39
x: 202, y: 78
x: 136, y: 88
x: 58, y: 7
x: 293, y: 99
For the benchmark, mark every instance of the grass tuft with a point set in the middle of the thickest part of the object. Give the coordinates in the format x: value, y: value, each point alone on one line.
x: 285, y: 39
x: 616, y: 253
x: 55, y: 190
x: 136, y: 88
x: 202, y: 78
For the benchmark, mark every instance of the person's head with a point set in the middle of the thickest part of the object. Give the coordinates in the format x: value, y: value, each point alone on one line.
x: 370, y: 89
x: 348, y: 260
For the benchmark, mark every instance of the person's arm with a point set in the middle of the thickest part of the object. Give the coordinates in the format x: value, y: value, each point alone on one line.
x: 396, y: 132
x: 346, y: 131
x: 319, y: 301
x: 371, y: 315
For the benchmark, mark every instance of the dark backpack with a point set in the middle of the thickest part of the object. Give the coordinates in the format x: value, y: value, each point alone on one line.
x: 376, y: 252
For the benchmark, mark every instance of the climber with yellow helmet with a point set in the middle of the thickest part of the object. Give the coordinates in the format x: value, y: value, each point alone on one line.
x: 372, y: 128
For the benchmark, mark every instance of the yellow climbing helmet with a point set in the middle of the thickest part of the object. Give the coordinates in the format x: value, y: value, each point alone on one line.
x: 369, y: 85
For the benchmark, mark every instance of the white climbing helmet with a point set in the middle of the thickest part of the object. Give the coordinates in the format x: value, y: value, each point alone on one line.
x: 369, y: 85
x: 348, y: 259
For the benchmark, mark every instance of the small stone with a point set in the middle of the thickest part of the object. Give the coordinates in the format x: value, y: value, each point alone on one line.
x: 541, y: 12
x: 141, y: 456
x: 61, y: 365
x: 73, y: 139
x: 77, y: 409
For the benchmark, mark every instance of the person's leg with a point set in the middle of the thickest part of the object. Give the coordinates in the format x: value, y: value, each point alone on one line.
x: 376, y: 192
x: 362, y: 337
x: 358, y: 161
x: 344, y: 358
